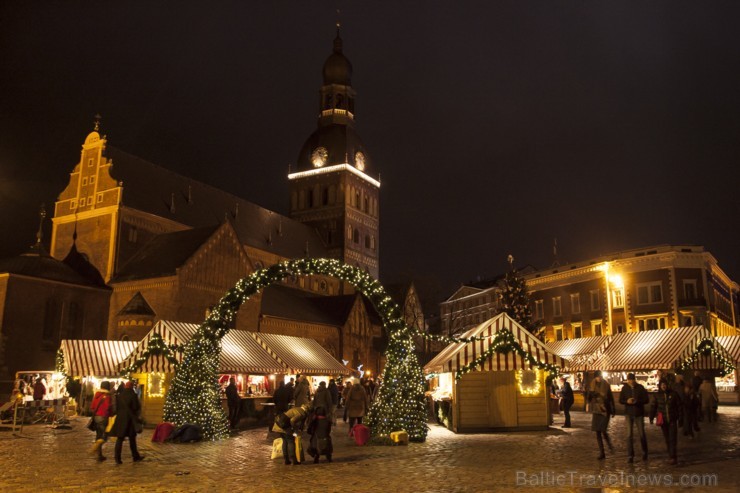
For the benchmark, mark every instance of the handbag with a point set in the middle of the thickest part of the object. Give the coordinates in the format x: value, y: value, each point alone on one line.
x: 91, y: 424
x: 659, y: 419
x: 277, y: 448
x: 139, y: 425
x: 299, y: 454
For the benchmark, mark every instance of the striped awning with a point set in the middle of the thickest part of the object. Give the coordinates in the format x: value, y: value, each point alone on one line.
x: 241, y: 353
x: 657, y: 350
x: 86, y: 358
x: 457, y: 355
x: 172, y: 333
x: 301, y: 355
x: 732, y: 345
x: 579, y: 352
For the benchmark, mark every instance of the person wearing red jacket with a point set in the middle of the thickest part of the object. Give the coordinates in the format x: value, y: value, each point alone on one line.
x: 102, y: 408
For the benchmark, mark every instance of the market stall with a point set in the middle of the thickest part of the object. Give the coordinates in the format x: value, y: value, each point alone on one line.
x: 91, y: 362
x: 727, y: 386
x: 578, y: 353
x: 506, y: 391
x: 649, y: 354
x: 254, y: 369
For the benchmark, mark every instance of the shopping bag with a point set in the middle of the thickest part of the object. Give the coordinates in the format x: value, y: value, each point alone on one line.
x: 361, y: 433
x: 659, y: 419
x: 111, y: 420
x: 277, y: 448
x: 299, y: 454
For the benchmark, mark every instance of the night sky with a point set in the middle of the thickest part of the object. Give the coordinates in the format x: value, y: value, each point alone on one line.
x: 496, y: 126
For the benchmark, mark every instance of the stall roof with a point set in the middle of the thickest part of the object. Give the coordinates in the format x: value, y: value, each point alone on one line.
x: 732, y: 345
x: 301, y: 355
x: 656, y: 350
x: 89, y: 358
x: 580, y: 351
x: 240, y: 353
x: 457, y: 355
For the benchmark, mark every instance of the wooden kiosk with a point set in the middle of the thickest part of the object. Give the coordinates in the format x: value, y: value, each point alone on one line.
x: 506, y: 393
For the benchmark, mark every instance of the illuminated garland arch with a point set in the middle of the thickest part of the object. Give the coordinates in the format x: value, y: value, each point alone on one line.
x: 194, y: 395
x: 706, y: 348
x: 156, y: 346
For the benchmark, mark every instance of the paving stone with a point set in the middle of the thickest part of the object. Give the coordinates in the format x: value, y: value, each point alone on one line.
x: 46, y: 459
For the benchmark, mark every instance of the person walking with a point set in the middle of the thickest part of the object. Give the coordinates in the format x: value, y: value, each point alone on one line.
x: 234, y: 402
x: 345, y: 394
x: 696, y: 381
x: 290, y: 425
x: 320, y: 431
x: 601, y: 402
x: 709, y: 400
x: 334, y: 393
x: 127, y: 417
x: 667, y: 413
x: 102, y: 408
x: 691, y: 405
x: 634, y: 397
x: 358, y: 404
x: 302, y: 393
x: 567, y: 399
x: 322, y: 398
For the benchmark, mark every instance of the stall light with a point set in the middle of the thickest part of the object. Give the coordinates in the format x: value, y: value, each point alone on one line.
x: 272, y: 377
x: 368, y: 373
x: 241, y: 377
x: 605, y: 374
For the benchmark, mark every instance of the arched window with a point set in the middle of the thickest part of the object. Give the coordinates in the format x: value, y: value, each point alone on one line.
x: 366, y: 205
x: 372, y: 242
x: 349, y: 232
x: 367, y: 241
x: 358, y: 200
x: 339, y: 101
x: 356, y: 236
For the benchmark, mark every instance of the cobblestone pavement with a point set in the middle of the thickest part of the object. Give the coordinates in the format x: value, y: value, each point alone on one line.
x: 46, y: 459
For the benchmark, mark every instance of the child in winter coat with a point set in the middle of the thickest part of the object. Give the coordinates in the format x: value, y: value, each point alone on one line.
x: 320, y: 431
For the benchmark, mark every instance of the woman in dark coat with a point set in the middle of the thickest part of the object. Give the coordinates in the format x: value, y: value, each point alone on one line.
x: 668, y: 404
x: 601, y: 403
x: 127, y: 417
x: 566, y: 394
x: 320, y: 431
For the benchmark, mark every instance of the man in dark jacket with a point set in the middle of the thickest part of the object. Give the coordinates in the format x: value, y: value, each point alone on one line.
x: 667, y: 408
x: 567, y: 399
x: 234, y: 402
x: 634, y: 397
x: 127, y: 418
x: 282, y: 397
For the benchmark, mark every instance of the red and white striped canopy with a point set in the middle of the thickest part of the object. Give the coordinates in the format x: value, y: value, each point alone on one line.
x: 732, y: 345
x: 579, y: 352
x: 87, y: 358
x: 657, y: 350
x: 301, y: 355
x: 457, y: 355
x: 172, y: 333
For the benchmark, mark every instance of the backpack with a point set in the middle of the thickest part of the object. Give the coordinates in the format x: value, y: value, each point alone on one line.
x: 282, y: 421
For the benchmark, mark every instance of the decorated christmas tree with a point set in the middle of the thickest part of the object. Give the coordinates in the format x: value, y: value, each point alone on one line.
x: 515, y: 301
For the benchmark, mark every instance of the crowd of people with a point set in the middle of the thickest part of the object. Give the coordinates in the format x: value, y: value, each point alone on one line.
x: 296, y: 409
x: 678, y: 405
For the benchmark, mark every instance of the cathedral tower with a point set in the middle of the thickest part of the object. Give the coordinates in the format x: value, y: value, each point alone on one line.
x: 333, y: 188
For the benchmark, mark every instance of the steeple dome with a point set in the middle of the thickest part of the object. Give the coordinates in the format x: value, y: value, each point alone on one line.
x: 337, y: 68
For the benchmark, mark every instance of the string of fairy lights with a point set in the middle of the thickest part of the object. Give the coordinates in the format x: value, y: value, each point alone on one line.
x: 155, y: 347
x: 194, y: 396
x: 706, y: 348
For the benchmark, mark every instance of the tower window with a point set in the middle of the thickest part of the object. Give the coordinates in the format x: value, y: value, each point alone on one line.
x: 367, y: 241
x: 358, y: 200
x: 349, y: 232
x: 84, y: 181
x: 367, y: 205
x: 356, y: 236
x: 89, y: 163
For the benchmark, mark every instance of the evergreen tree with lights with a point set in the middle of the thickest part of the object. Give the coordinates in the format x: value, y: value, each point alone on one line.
x: 515, y: 302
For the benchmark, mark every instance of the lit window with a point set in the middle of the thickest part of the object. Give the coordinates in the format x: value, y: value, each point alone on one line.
x: 594, y: 300
x: 575, y: 303
x: 558, y: 333
x: 649, y: 293
x: 84, y: 181
x: 618, y: 296
x: 653, y: 323
x: 577, y: 331
x: 596, y: 328
x: 557, y: 309
x: 539, y: 309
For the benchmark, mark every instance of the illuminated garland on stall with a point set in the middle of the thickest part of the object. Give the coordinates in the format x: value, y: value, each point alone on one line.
x: 706, y: 348
x: 504, y: 342
x: 60, y: 365
x: 529, y: 390
x: 194, y: 395
x: 155, y: 346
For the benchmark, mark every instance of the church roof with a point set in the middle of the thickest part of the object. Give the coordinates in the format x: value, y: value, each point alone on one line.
x: 151, y: 188
x: 164, y: 254
x: 45, y: 267
x: 82, y: 266
x: 296, y: 304
x: 137, y: 306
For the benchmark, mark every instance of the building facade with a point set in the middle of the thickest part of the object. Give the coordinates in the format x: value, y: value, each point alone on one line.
x: 635, y: 290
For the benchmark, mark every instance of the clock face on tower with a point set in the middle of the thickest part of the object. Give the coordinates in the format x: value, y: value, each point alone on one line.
x: 318, y: 157
x: 360, y: 161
